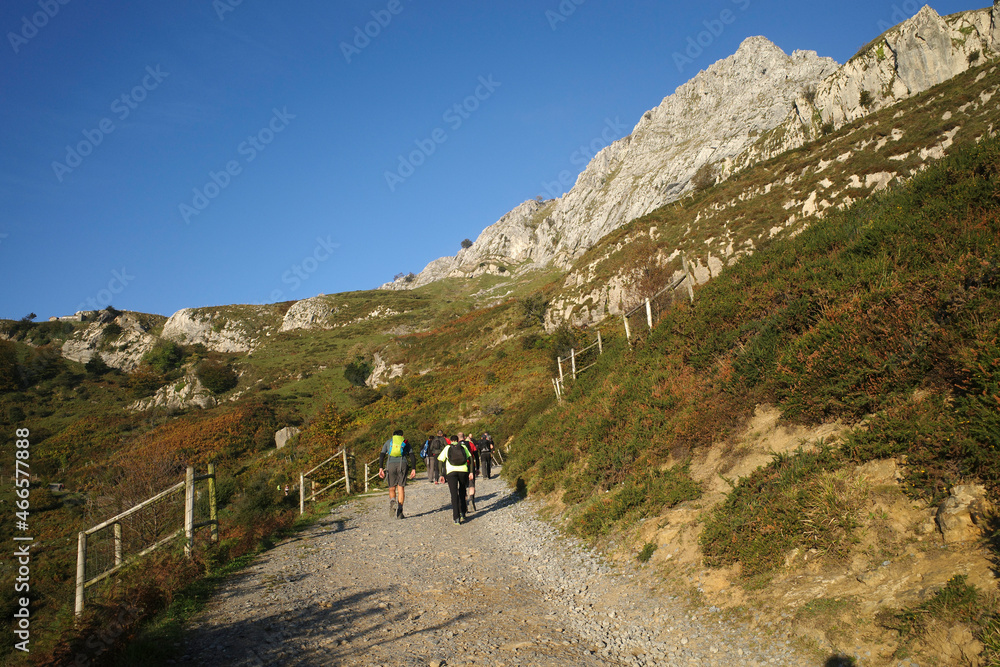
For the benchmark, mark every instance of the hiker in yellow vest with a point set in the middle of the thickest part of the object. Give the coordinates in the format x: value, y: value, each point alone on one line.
x: 392, y: 467
x: 456, y: 460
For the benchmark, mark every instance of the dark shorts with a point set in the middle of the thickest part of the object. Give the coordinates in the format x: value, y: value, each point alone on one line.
x: 396, y: 471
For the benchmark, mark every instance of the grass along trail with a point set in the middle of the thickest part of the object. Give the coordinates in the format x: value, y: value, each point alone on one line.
x: 362, y: 588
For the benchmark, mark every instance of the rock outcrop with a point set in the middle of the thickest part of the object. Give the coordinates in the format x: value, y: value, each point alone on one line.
x: 123, y: 350
x: 383, y: 372
x: 186, y: 393
x: 711, y: 118
x: 191, y: 326
x: 962, y: 515
x: 308, y: 314
x: 747, y: 108
x: 282, y: 436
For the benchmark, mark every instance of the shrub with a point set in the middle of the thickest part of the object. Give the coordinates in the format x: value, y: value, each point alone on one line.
x: 974, y: 56
x: 646, y: 553
x: 96, y: 367
x: 704, y: 177
x: 466, y: 244
x: 357, y: 372
x: 217, y: 377
x: 112, y: 331
x: 165, y: 356
x: 865, y: 99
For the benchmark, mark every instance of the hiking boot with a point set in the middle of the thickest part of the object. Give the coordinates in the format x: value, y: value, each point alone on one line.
x: 457, y: 522
x: 392, y: 507
x: 461, y: 519
x: 399, y: 512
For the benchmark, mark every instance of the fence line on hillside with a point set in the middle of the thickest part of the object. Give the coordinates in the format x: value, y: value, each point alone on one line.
x: 647, y: 305
x: 150, y: 527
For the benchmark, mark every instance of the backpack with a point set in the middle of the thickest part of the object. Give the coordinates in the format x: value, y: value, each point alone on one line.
x: 424, y: 451
x: 396, y: 450
x: 456, y: 455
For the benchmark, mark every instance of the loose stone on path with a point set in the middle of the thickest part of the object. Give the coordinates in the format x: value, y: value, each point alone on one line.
x: 503, y: 589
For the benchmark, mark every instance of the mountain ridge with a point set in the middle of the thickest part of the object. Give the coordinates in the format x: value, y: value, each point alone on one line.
x: 642, y: 171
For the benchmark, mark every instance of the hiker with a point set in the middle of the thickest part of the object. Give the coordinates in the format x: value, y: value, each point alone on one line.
x: 456, y: 460
x: 426, y: 456
x: 437, y: 445
x: 486, y: 454
x: 470, y: 445
x: 395, y: 459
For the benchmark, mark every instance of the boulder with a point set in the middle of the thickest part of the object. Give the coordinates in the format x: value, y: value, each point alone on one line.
x: 282, y: 436
x: 961, y: 516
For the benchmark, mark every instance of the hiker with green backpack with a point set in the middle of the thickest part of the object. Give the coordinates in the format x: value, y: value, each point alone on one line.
x: 456, y: 461
x: 395, y: 459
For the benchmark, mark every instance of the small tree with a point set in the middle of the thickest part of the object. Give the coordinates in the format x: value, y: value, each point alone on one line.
x: 218, y: 378
x: 466, y: 244
x: 865, y: 99
x: 704, y: 178
x: 357, y: 372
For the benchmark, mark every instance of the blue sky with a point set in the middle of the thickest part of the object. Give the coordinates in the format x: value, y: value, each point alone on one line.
x: 157, y: 156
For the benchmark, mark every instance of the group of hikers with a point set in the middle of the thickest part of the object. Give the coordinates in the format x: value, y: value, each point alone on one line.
x: 455, y: 461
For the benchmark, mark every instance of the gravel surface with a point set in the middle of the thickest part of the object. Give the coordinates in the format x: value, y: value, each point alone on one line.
x: 363, y: 588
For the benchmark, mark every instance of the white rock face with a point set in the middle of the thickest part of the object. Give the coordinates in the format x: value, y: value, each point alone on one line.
x: 747, y: 108
x: 189, y: 326
x: 916, y: 55
x: 308, y: 314
x: 186, y: 393
x: 123, y: 353
x: 282, y: 436
x: 383, y: 372
x: 712, y: 118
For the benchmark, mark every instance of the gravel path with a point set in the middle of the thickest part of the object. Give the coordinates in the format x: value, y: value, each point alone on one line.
x: 503, y: 589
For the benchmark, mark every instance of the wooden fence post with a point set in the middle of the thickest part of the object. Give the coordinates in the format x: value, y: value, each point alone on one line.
x: 213, y: 508
x: 572, y: 359
x: 189, y: 511
x: 628, y: 331
x: 117, y: 529
x: 366, y: 478
x: 559, y: 361
x: 302, y: 493
x: 347, y: 476
x: 687, y: 274
x: 81, y: 570
x: 649, y: 314
x: 600, y: 345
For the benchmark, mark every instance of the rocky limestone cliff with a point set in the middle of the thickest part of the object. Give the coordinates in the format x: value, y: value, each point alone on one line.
x: 232, y: 329
x: 123, y: 351
x: 747, y: 108
x: 713, y: 117
x: 908, y: 59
